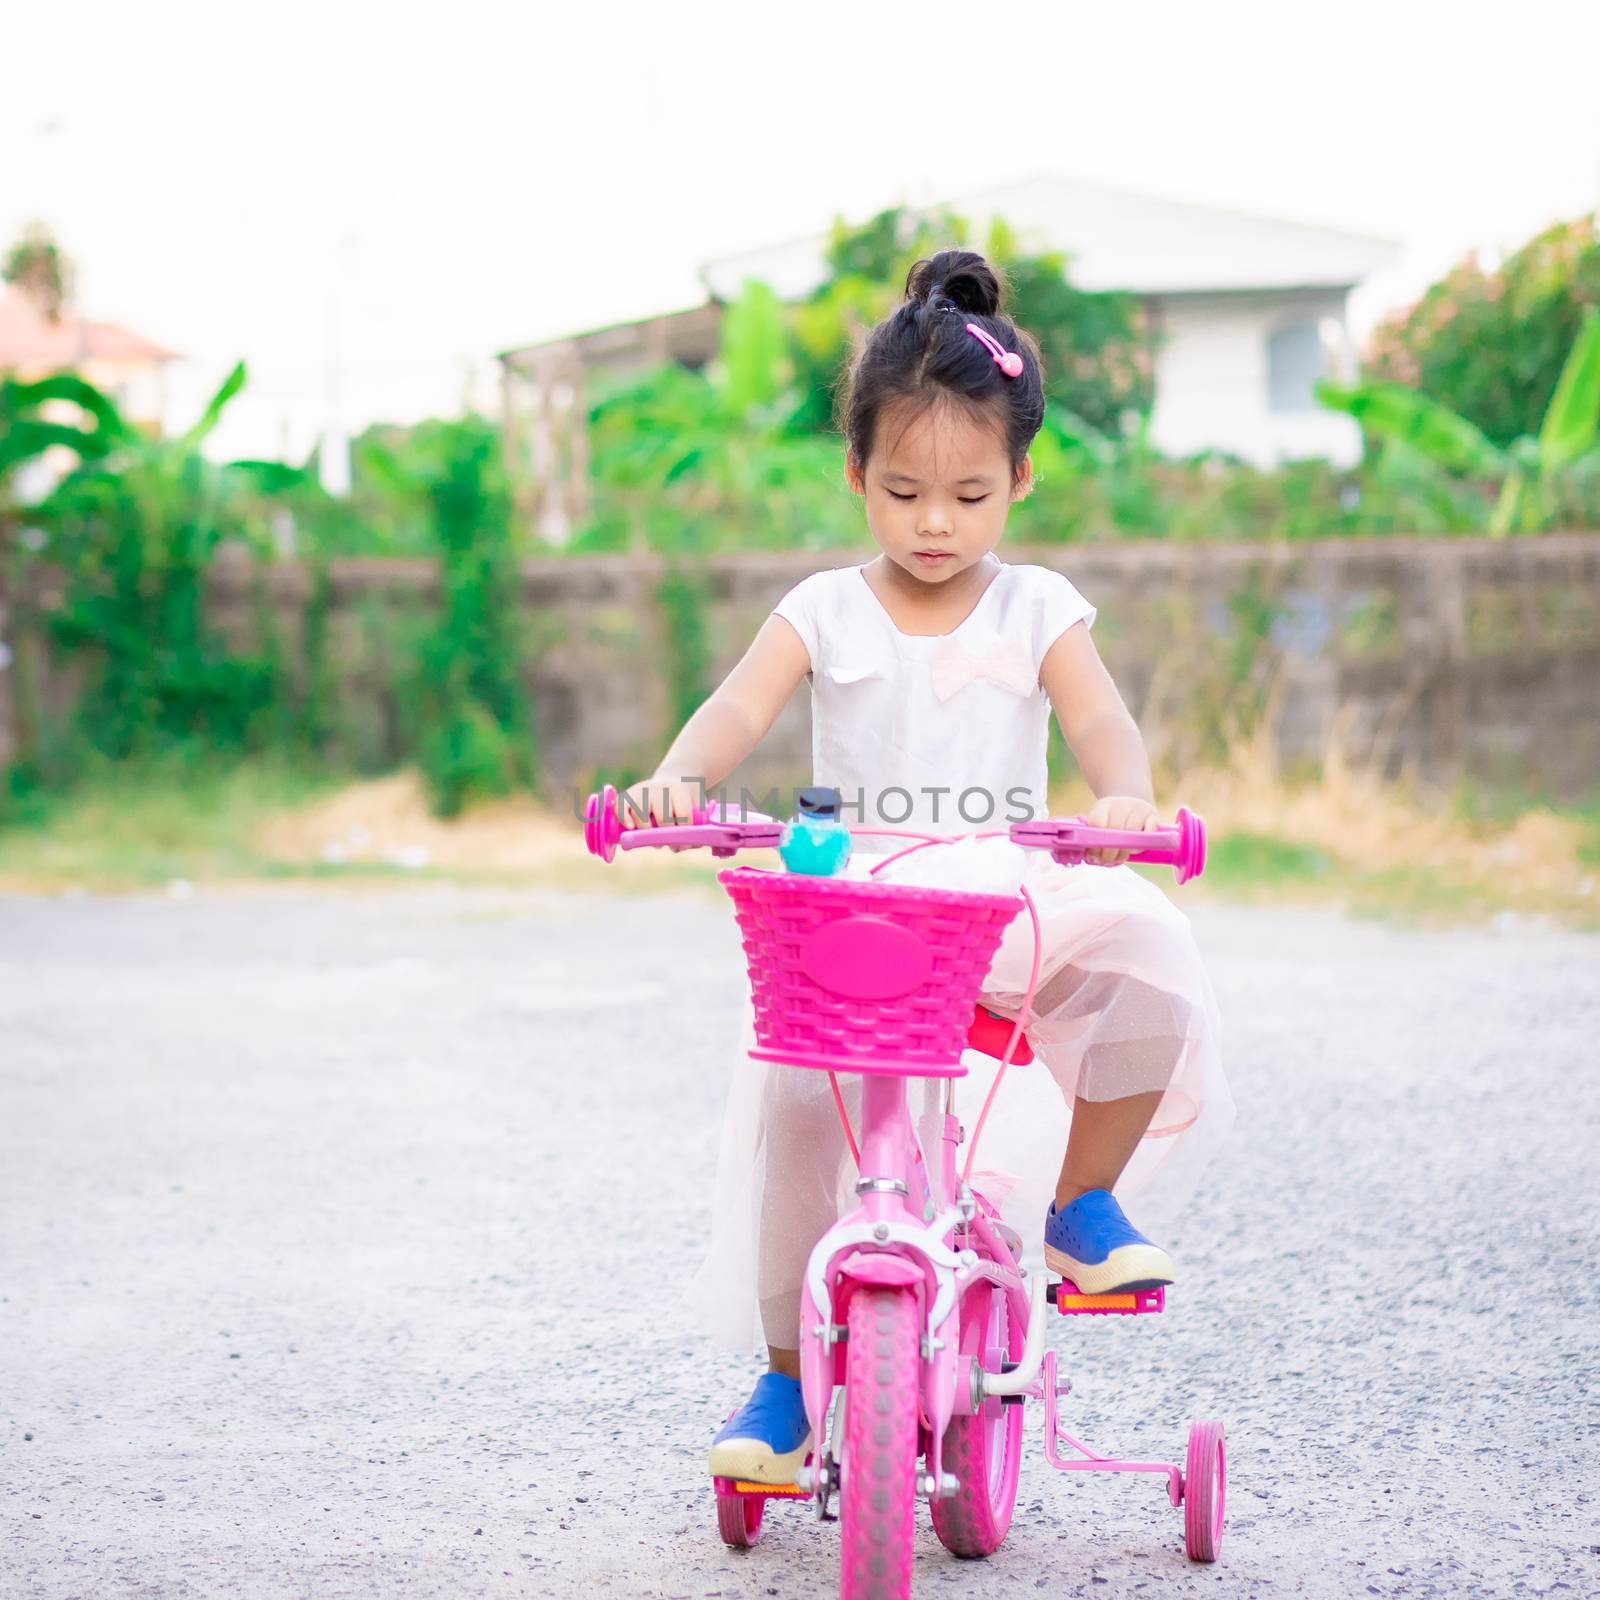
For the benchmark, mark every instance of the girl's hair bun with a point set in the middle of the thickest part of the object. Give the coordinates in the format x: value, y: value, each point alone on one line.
x: 960, y: 279
x: 922, y: 351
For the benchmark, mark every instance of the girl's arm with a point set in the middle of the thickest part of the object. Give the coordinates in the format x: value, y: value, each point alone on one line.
x: 1102, y: 735
x: 727, y: 727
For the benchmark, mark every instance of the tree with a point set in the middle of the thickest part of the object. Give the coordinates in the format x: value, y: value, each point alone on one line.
x: 39, y: 267
x: 131, y: 532
x: 473, y: 729
x: 1096, y: 348
x: 1490, y: 345
x: 691, y: 461
x: 1531, y: 470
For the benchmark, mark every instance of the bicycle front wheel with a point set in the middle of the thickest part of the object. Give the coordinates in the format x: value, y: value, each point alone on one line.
x: 878, y: 1495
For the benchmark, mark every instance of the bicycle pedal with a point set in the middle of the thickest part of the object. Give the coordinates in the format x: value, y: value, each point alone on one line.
x: 770, y: 1491
x: 1071, y: 1301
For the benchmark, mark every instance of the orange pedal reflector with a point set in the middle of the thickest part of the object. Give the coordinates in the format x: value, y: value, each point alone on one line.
x: 1068, y: 1299
x: 785, y: 1491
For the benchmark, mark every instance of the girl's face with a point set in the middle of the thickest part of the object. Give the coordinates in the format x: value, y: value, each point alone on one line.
x: 938, y: 487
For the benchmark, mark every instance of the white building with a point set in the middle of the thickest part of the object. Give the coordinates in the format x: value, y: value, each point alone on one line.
x: 1248, y: 313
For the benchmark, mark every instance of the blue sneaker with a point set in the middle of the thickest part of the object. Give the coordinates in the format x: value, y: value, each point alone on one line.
x: 768, y: 1438
x: 1093, y: 1244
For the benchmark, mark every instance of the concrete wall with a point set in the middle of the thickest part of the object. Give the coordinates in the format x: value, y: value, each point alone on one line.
x: 1444, y: 658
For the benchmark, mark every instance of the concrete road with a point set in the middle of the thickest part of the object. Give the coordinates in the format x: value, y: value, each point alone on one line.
x: 338, y: 1238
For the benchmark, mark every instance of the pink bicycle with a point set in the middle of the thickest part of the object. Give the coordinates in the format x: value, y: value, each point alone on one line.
x: 921, y: 1335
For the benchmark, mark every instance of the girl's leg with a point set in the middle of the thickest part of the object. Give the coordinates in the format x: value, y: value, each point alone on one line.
x: 1125, y: 1023
x: 765, y: 1441
x: 1120, y: 1040
x: 1101, y: 1142
x: 1130, y: 1038
x: 785, y: 1361
x: 799, y: 1196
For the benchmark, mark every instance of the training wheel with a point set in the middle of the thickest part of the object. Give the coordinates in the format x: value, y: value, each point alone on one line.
x: 738, y: 1515
x: 1205, y: 1484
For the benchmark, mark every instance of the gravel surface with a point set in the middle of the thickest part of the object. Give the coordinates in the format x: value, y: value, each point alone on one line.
x: 339, y: 1236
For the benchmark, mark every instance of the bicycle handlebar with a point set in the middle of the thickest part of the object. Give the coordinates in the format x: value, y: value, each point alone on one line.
x: 1181, y: 845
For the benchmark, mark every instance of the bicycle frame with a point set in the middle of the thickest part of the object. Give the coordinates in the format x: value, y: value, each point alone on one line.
x: 931, y: 1237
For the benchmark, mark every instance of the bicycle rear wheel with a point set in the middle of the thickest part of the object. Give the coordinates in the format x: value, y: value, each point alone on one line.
x: 984, y: 1449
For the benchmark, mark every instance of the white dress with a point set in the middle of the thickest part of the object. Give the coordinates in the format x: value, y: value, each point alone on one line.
x: 946, y: 734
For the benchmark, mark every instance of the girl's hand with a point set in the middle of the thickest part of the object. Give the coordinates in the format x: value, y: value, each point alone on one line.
x: 1126, y: 814
x: 660, y: 803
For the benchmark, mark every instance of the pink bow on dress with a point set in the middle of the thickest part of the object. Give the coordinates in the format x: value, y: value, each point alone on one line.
x: 953, y: 668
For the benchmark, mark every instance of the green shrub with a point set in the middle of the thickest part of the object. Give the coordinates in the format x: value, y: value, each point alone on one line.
x: 1490, y: 344
x: 468, y: 756
x: 110, y: 588
x: 474, y: 733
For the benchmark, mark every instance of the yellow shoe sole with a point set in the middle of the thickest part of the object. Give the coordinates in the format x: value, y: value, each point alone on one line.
x: 1130, y: 1266
x: 757, y: 1462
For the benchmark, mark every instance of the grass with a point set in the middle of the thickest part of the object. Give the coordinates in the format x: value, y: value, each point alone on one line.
x: 177, y: 825
x: 1245, y: 861
x: 132, y: 829
x: 1372, y: 848
x: 1503, y: 808
x: 1400, y: 851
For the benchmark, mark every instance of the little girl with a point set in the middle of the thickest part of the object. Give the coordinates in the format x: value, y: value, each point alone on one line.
x: 933, y: 669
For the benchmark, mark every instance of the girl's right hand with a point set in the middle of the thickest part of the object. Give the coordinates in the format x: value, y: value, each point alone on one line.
x: 659, y: 803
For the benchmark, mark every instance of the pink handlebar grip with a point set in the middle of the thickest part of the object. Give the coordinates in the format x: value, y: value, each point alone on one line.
x: 602, y: 824
x: 723, y: 838
x: 1182, y: 846
x: 604, y: 831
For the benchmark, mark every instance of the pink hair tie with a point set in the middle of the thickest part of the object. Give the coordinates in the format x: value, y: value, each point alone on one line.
x: 1008, y: 361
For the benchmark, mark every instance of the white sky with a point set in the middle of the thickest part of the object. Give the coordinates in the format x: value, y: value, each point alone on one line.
x: 367, y: 201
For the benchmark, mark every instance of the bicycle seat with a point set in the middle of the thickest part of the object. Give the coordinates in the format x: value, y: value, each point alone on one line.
x: 989, y: 1033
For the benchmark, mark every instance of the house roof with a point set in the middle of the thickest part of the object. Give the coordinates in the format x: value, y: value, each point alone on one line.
x: 1116, y: 240
x: 621, y: 340
x: 31, y: 342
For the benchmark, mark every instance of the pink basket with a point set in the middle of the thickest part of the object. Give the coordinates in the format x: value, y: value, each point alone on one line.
x: 864, y: 977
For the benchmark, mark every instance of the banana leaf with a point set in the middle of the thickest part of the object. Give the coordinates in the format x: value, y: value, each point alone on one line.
x: 212, y: 414
x: 753, y: 365
x: 272, y: 477
x: 16, y: 397
x: 1509, y: 515
x: 1392, y: 411
x: 22, y: 440
x: 1571, y: 420
x: 1083, y: 447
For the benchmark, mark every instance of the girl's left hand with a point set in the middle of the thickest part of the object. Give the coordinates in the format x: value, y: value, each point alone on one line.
x: 1126, y: 814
